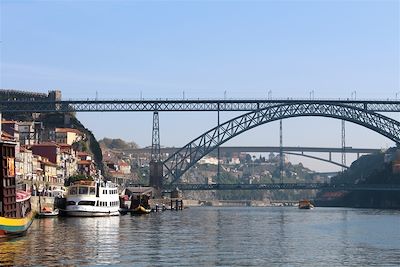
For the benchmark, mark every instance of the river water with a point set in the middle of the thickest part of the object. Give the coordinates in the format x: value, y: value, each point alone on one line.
x: 214, y: 236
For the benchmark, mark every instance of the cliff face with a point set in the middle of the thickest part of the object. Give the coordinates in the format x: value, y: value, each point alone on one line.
x: 369, y: 169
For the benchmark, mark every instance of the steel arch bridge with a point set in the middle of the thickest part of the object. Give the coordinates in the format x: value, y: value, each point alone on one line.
x: 179, y: 162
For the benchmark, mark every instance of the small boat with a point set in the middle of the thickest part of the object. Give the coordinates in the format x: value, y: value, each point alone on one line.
x: 47, y: 212
x: 305, y: 204
x: 140, y: 205
x: 140, y: 210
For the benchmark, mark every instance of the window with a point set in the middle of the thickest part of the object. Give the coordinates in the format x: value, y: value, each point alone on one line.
x: 86, y: 203
x: 92, y: 191
x: 72, y: 191
x: 71, y: 203
x: 83, y: 190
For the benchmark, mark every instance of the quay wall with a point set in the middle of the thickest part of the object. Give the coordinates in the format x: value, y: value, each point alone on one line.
x: 167, y: 202
x: 236, y: 203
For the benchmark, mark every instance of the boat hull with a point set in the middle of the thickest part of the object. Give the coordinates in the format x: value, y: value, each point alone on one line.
x: 82, y: 213
x: 12, y: 227
x: 48, y: 214
x: 140, y: 210
x: 305, y: 205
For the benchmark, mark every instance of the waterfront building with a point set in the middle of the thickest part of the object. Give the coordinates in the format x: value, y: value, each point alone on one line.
x: 50, y: 178
x: 11, y: 129
x: 68, y: 135
x: 23, y: 165
x: 68, y: 162
x: 30, y: 132
x: 124, y: 167
x: 208, y: 160
x: 86, y: 164
x: 48, y: 150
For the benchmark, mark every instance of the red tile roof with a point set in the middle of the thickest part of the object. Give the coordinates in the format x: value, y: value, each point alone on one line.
x: 45, y: 144
x: 7, y: 137
x: 84, y: 162
x: 81, y: 153
x: 65, y: 130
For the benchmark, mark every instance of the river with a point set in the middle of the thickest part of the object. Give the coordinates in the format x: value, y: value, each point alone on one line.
x: 214, y: 236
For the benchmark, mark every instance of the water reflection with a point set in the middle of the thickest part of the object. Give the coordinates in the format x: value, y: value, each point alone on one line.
x: 213, y: 237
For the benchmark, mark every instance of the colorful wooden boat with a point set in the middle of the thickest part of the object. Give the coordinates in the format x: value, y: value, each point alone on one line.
x: 13, y: 227
x: 15, y: 202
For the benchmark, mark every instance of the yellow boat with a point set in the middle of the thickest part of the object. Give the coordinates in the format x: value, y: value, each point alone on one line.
x: 140, y: 210
x: 15, y: 201
x: 12, y: 227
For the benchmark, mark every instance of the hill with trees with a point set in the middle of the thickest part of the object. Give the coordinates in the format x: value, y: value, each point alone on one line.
x: 117, y: 144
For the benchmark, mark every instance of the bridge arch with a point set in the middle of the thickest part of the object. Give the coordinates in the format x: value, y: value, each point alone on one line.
x: 179, y: 162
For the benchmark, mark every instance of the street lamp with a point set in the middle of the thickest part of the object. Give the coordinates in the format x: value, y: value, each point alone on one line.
x: 312, y: 95
x: 354, y: 93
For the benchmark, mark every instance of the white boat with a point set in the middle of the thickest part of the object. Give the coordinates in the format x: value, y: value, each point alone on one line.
x: 47, y: 212
x: 91, y: 199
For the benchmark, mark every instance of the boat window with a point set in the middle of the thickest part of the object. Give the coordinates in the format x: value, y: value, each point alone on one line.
x: 71, y: 203
x: 92, y: 191
x: 86, y: 203
x: 72, y: 191
x: 83, y: 190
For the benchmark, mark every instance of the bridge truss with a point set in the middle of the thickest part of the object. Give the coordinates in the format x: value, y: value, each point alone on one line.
x: 182, y: 105
x: 179, y: 162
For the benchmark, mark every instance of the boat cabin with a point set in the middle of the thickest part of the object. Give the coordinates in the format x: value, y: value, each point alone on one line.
x: 91, y: 193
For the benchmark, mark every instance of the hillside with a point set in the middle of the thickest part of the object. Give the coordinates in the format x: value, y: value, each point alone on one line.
x: 378, y: 168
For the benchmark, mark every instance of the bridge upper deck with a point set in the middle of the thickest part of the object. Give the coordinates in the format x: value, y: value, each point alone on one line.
x: 89, y: 105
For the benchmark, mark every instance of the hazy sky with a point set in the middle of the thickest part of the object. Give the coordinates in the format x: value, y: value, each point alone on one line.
x: 124, y: 49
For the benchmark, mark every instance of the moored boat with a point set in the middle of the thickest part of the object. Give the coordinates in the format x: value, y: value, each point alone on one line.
x: 140, y: 210
x: 305, y: 204
x: 47, y: 212
x: 15, y: 206
x: 92, y: 199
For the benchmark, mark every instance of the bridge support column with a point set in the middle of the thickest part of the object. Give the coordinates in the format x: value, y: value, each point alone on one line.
x: 156, y: 174
x: 156, y: 165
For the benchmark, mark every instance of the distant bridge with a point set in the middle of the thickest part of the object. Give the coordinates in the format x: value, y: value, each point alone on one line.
x: 286, y: 186
x: 290, y: 150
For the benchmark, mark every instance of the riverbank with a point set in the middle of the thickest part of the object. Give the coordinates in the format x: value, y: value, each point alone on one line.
x: 359, y: 199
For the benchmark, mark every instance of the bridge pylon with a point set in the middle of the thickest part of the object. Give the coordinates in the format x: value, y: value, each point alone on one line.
x: 156, y: 165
